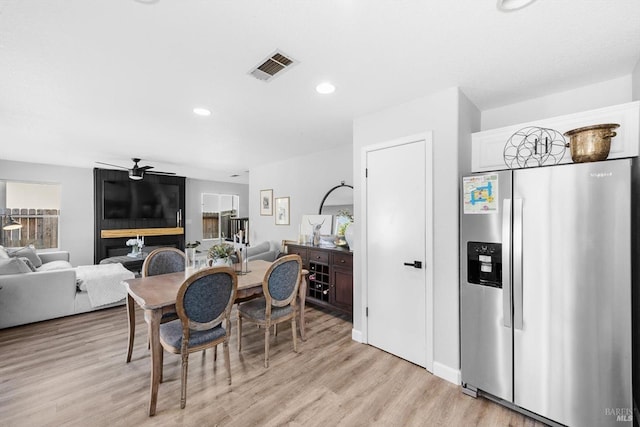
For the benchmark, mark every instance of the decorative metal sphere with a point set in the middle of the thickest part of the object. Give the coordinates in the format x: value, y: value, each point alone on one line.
x: 534, y: 146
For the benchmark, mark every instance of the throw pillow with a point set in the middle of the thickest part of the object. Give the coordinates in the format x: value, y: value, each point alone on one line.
x: 28, y: 252
x: 3, y: 253
x: 28, y: 263
x: 55, y: 265
x: 13, y: 266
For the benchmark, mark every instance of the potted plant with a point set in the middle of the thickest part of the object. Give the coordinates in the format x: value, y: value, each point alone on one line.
x: 221, y: 253
x: 344, y: 219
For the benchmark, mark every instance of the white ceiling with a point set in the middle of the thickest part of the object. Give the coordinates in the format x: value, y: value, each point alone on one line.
x: 106, y: 80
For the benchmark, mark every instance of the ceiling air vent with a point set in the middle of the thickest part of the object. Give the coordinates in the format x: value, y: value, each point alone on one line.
x: 274, y: 65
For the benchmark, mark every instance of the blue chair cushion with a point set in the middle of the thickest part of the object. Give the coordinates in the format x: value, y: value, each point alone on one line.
x: 171, y: 333
x: 256, y: 309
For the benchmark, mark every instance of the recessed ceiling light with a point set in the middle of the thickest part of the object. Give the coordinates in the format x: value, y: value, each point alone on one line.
x: 325, y: 88
x: 511, y: 5
x: 201, y: 111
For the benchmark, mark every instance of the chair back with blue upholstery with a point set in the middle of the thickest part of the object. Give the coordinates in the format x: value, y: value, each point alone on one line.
x: 205, y: 299
x: 163, y: 261
x: 281, y: 282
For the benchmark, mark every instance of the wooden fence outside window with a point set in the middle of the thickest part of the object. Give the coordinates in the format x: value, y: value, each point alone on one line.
x: 39, y: 228
x: 210, y: 225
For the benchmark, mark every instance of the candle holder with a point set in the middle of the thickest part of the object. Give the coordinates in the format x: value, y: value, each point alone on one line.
x: 242, y: 267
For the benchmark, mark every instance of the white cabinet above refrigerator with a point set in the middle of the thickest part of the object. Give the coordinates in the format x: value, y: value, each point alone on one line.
x: 487, y: 147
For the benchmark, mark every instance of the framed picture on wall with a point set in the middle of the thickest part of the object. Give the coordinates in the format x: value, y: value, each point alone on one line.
x: 266, y: 202
x: 282, y: 210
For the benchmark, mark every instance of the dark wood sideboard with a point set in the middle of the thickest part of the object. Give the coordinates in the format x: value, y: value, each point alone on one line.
x: 330, y: 275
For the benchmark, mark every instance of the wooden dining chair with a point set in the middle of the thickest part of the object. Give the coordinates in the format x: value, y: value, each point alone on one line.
x: 279, y: 303
x: 203, y: 303
x: 159, y: 261
x: 163, y: 261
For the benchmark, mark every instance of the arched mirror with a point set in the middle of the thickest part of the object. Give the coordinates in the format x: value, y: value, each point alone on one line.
x: 338, y: 202
x: 339, y: 198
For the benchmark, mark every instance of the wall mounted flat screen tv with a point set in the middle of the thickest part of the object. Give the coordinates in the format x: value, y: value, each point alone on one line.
x: 140, y: 200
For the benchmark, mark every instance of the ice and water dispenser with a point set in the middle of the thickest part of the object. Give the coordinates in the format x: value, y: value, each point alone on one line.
x: 484, y: 264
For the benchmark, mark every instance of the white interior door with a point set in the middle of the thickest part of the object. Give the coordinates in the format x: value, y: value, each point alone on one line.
x: 398, y: 232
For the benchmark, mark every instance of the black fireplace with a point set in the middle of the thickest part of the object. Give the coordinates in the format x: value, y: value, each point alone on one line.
x: 123, y: 209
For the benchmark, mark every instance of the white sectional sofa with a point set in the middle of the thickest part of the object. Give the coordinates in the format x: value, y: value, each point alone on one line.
x: 33, y: 296
x: 266, y: 251
x: 52, y: 291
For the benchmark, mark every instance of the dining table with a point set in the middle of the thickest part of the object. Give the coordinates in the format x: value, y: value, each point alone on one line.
x: 156, y: 295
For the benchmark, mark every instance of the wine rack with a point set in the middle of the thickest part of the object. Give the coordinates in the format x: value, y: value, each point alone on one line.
x: 319, y: 281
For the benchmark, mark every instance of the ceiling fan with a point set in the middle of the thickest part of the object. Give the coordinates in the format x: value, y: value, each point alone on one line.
x: 137, y: 172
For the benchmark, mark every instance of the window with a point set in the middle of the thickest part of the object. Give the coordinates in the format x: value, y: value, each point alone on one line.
x: 217, y: 211
x: 36, y: 207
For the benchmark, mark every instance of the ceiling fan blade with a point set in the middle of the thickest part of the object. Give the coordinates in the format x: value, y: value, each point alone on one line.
x: 160, y: 173
x: 145, y: 168
x: 115, y: 166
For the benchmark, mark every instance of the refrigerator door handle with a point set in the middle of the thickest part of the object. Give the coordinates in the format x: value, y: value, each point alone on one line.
x: 506, y: 264
x: 517, y: 264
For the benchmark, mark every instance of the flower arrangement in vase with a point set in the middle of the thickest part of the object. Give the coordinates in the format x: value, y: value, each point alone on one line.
x: 344, y: 219
x: 136, y: 246
x: 221, y: 253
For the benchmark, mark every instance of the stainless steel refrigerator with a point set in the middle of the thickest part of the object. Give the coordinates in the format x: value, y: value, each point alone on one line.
x: 545, y: 290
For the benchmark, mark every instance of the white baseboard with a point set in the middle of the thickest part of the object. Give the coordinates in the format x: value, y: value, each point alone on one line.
x: 447, y: 373
x: 356, y: 335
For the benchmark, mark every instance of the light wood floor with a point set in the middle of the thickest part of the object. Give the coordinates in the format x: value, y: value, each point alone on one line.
x: 72, y: 371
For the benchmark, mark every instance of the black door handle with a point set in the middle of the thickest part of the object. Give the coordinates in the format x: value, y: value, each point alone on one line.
x: 414, y: 264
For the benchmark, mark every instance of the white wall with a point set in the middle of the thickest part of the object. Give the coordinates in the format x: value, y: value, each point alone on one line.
x: 452, y: 117
x: 305, y: 180
x: 635, y: 81
x: 76, y: 202
x: 439, y: 113
x: 193, y: 205
x: 598, y: 95
x: 3, y: 193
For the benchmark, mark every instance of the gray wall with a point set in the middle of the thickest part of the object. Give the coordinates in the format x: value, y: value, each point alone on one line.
x: 438, y: 113
x: 3, y: 193
x: 76, y: 207
x: 452, y: 118
x: 305, y: 180
x: 76, y: 204
x: 584, y: 98
x: 469, y: 122
x: 635, y: 81
x: 193, y: 205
